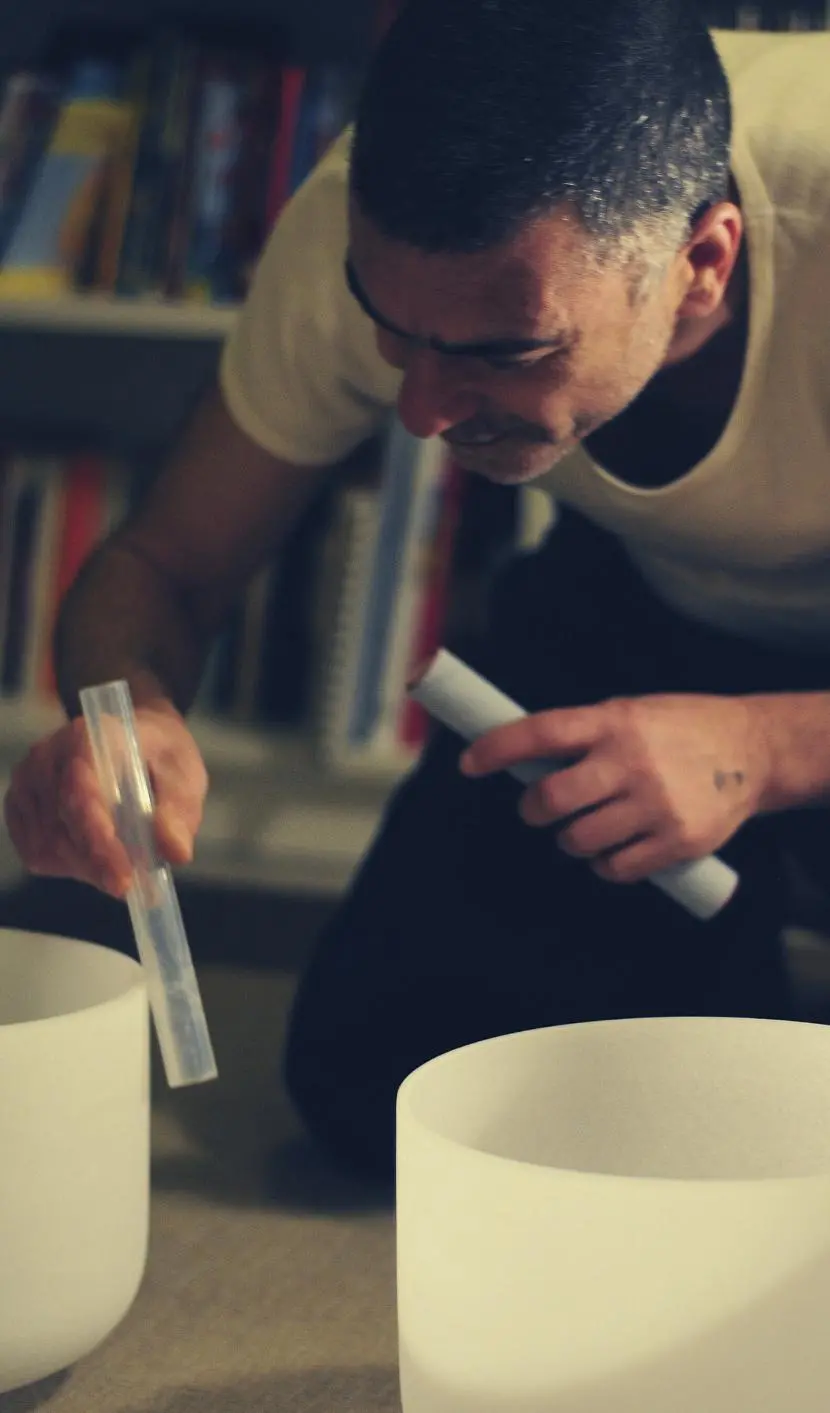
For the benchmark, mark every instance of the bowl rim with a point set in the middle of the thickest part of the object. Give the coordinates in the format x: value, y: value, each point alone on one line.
x: 406, y: 1109
x: 134, y: 979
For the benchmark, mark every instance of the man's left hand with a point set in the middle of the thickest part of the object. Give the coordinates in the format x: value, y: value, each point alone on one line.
x: 646, y: 782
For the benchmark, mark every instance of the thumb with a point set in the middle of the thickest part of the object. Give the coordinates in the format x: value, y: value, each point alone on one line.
x: 174, y: 838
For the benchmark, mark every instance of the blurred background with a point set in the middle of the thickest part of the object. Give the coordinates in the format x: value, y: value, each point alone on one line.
x: 115, y: 297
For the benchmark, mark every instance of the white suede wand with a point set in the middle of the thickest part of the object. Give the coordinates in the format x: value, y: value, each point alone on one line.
x: 470, y: 705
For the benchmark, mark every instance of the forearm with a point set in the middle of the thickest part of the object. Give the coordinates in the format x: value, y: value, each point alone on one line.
x: 126, y: 618
x: 794, y: 729
x: 148, y: 605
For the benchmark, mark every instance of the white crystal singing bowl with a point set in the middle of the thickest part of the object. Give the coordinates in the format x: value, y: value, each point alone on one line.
x: 74, y: 1149
x: 619, y: 1217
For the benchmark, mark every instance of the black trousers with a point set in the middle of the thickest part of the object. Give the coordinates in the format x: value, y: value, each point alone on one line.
x: 463, y: 923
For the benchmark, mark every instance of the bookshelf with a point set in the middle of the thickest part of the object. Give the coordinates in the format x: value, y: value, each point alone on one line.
x: 108, y: 315
x: 124, y: 372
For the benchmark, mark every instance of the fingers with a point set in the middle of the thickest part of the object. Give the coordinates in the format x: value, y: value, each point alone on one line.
x: 610, y: 827
x: 564, y: 733
x: 565, y: 793
x: 179, y: 795
x: 634, y: 863
x: 61, y: 825
x: 35, y: 833
x: 57, y: 819
x: 621, y: 844
x: 99, y: 855
x: 179, y: 782
x: 173, y: 838
x: 21, y: 826
x: 612, y: 835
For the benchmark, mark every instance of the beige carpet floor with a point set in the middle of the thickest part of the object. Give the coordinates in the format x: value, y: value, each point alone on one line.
x: 270, y: 1284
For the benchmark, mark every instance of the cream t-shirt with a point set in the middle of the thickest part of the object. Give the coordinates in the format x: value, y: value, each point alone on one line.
x: 742, y: 541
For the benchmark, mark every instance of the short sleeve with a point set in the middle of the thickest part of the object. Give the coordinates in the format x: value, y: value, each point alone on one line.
x: 300, y: 373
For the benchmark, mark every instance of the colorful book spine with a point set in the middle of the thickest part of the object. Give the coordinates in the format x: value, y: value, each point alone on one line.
x: 27, y: 116
x: 54, y: 512
x: 292, y: 86
x: 50, y: 240
x: 410, y: 477
x: 246, y: 224
x: 83, y: 522
x: 336, y: 93
x: 417, y: 558
x: 141, y: 257
x: 41, y: 573
x: 286, y: 670
x: 33, y: 527
x: 121, y: 178
x: 216, y: 152
x: 304, y: 147
x: 436, y: 575
x: 397, y: 501
x: 343, y: 595
x: 180, y: 153
x: 12, y: 473
x: 252, y: 646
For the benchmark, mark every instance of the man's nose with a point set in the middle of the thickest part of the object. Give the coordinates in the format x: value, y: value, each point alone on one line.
x: 434, y: 395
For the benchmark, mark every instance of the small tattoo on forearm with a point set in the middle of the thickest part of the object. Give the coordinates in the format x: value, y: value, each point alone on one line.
x: 725, y: 778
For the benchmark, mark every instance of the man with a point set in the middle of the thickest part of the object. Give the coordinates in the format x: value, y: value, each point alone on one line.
x: 551, y: 248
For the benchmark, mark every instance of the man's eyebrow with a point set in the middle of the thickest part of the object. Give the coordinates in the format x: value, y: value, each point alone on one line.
x: 485, y: 348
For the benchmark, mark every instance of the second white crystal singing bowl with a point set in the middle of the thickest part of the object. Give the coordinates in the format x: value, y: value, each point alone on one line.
x: 618, y: 1217
x: 74, y: 1149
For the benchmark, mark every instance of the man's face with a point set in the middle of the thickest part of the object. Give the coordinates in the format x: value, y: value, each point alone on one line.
x: 514, y: 354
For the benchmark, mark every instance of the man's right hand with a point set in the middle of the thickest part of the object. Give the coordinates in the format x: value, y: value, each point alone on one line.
x: 57, y: 817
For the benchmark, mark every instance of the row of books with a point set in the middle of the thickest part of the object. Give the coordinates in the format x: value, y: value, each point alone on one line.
x: 328, y: 633
x: 157, y: 172
x: 374, y: 580
x: 383, y: 601
x: 53, y: 511
x: 771, y: 15
x: 326, y: 636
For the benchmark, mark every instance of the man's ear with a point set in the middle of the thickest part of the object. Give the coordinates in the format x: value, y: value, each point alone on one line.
x: 709, y: 258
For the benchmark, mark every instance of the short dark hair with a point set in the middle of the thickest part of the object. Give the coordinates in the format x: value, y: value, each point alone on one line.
x: 479, y: 115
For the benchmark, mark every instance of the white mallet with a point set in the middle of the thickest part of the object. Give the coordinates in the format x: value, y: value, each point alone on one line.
x: 470, y: 705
